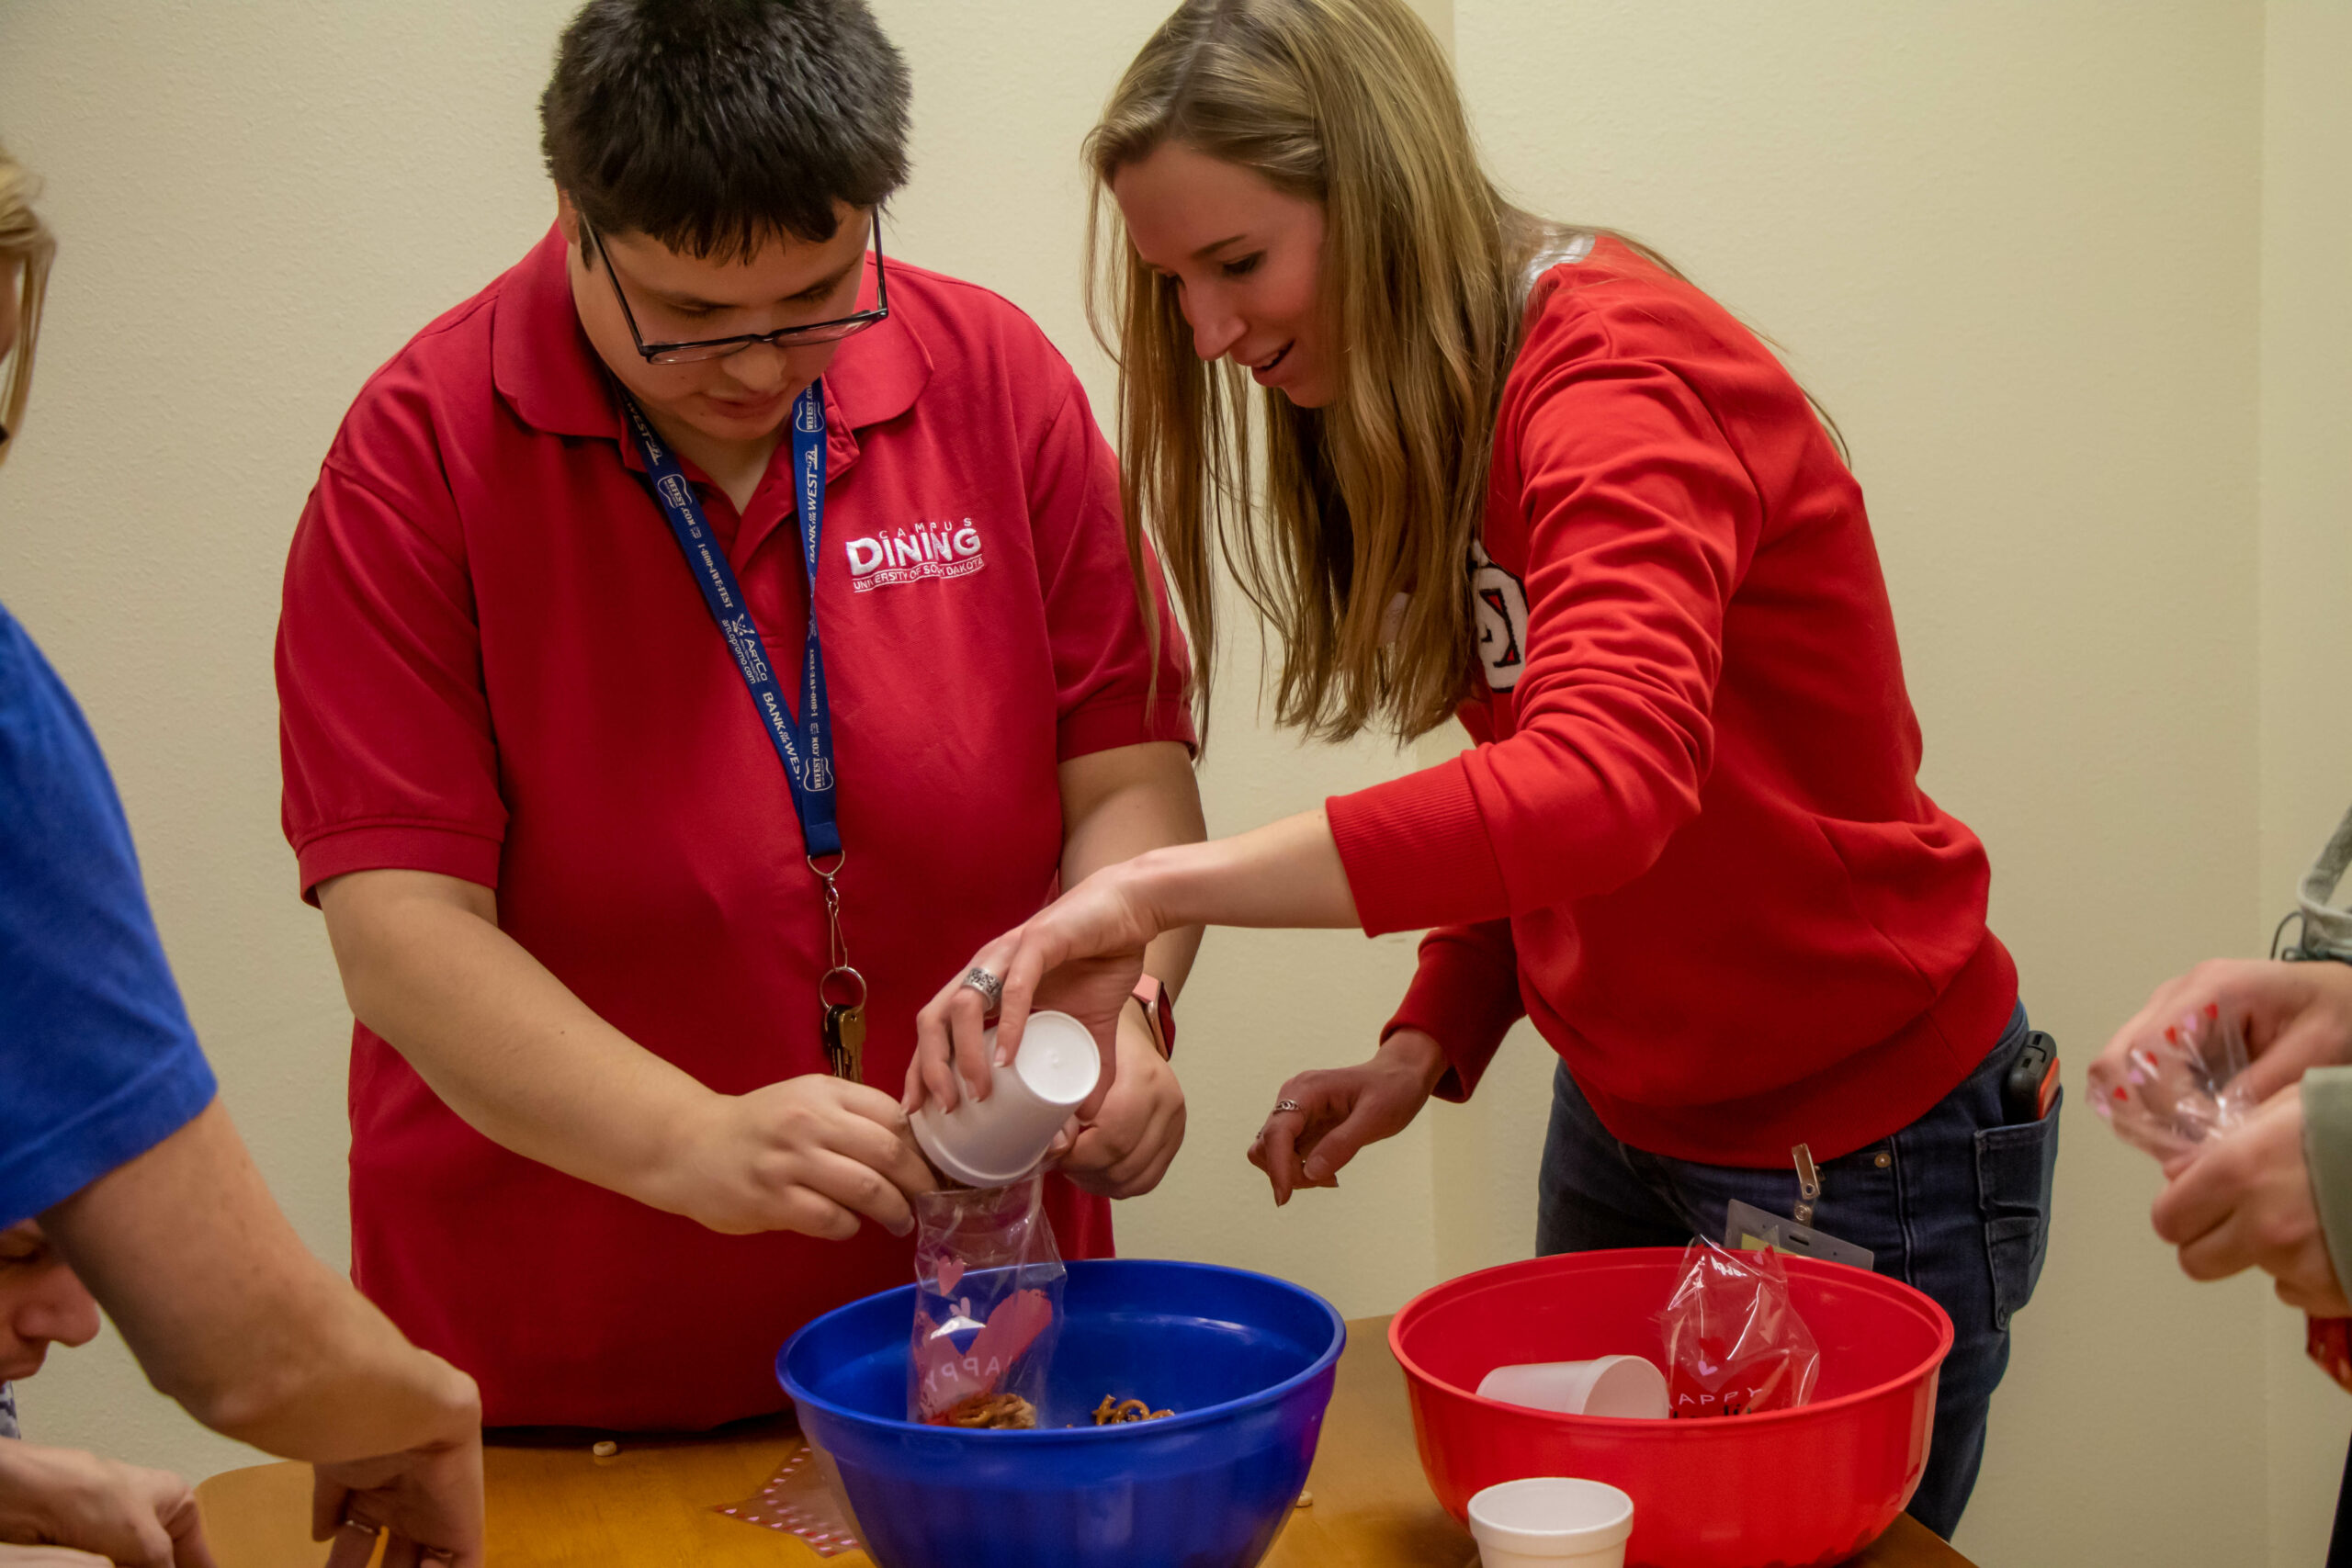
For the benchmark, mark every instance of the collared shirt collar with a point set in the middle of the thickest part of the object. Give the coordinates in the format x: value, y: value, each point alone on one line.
x: 550, y: 373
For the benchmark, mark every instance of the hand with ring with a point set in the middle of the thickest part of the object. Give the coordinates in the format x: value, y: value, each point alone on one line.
x: 426, y: 1502
x: 1324, y: 1118
x: 1081, y: 954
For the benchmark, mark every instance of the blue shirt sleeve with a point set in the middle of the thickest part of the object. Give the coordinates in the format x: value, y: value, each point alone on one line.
x: 98, y: 1062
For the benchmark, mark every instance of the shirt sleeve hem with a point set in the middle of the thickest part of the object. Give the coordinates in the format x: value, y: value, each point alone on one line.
x: 1110, y: 722
x: 2327, y: 1151
x: 1456, y: 1000
x: 111, y: 1133
x: 398, y: 846
x: 1417, y: 851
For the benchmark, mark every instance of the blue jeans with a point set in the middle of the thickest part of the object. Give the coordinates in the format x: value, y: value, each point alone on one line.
x: 1956, y: 1204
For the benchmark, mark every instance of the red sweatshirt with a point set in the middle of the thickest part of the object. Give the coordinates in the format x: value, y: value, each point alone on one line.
x: 1690, y: 844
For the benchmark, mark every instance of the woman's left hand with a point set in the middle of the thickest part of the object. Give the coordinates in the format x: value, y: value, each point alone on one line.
x: 1124, y: 1149
x: 2244, y: 1201
x: 1081, y: 954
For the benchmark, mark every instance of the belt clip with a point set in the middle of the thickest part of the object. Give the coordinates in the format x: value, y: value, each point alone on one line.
x: 1808, y: 1183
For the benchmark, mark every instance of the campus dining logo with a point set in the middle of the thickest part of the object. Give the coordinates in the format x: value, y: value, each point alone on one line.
x: 908, y: 554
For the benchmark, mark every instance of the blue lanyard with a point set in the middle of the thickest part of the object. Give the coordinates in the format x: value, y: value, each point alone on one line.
x: 806, y: 745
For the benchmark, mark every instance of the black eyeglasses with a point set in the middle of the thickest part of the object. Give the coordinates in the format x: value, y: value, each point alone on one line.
x: 782, y: 337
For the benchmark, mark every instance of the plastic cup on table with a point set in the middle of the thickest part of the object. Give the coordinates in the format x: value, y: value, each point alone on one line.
x: 1003, y: 1139
x: 1550, y: 1521
x: 1629, y: 1386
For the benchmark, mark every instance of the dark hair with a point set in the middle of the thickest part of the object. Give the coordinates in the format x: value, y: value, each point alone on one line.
x: 714, y: 126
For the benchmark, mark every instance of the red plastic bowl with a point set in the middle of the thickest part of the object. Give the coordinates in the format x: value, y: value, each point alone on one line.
x: 1807, y: 1486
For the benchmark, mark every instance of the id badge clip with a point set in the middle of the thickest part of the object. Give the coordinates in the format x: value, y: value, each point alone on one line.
x: 1753, y: 1229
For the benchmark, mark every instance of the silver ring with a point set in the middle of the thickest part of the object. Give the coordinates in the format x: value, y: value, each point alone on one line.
x: 351, y: 1524
x: 988, y: 985
x: 1283, y: 1105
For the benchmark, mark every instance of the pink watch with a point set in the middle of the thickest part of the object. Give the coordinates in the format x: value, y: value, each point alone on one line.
x: 1158, y: 1013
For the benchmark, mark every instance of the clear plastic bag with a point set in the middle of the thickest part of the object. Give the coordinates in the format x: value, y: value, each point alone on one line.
x: 2178, y: 1091
x: 2183, y: 1090
x: 987, y: 1306
x: 1734, y: 1344
x: 804, y: 1498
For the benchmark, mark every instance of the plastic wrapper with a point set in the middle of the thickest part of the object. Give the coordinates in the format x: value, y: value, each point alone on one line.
x: 2175, y: 1092
x: 801, y: 1498
x: 1734, y: 1344
x: 987, y: 1306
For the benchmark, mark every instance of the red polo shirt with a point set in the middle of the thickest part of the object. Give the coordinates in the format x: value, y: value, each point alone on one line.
x: 493, y: 663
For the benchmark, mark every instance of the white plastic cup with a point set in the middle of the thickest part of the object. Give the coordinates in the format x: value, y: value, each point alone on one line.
x: 1629, y: 1386
x: 1552, y: 1521
x: 1003, y: 1139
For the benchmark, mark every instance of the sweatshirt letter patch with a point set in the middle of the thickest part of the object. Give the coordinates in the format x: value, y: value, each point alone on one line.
x: 1498, y: 605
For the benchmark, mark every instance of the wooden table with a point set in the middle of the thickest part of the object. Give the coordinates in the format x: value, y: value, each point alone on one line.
x: 649, y: 1505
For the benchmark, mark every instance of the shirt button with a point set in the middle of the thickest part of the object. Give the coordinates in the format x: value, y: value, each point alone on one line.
x: 1883, y: 1161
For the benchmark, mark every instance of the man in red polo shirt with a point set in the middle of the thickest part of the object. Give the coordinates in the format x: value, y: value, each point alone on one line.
x: 579, y: 778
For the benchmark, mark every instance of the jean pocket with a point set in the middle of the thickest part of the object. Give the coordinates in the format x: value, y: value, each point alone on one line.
x: 2017, y: 1168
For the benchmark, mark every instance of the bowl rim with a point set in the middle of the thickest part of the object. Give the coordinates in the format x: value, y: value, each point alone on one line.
x: 1181, y: 1421
x: 1416, y: 1374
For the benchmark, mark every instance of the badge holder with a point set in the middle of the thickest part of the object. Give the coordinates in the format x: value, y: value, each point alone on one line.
x: 1749, y: 1228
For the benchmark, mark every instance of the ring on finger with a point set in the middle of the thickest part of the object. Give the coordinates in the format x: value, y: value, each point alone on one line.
x: 1283, y: 1105
x: 991, y: 988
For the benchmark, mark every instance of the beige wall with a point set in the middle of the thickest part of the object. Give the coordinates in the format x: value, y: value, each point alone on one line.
x: 2093, y: 379
x: 2306, y: 569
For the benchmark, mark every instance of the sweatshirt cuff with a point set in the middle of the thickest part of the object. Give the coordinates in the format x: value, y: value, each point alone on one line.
x: 1416, y: 853
x: 1455, y: 1000
x: 2327, y: 1151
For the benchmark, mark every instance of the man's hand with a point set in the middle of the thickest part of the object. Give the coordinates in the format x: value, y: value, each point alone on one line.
x: 2296, y: 1017
x: 48, y: 1557
x: 1125, y: 1148
x: 2244, y: 1202
x: 64, y: 1497
x: 1342, y: 1109
x: 811, y: 1153
x: 429, y: 1499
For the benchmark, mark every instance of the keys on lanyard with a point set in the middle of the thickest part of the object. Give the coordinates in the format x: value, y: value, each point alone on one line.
x: 843, y: 989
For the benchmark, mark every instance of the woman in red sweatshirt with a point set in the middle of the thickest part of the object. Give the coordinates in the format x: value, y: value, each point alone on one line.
x: 1529, y: 475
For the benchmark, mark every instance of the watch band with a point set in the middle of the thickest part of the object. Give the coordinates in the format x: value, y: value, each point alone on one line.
x: 1158, y: 1013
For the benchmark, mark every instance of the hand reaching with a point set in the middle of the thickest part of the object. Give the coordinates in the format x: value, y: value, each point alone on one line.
x: 1342, y: 1109
x: 1081, y: 954
x: 2295, y: 1017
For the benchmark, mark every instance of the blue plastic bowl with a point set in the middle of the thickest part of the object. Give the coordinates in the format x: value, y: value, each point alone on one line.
x: 1246, y: 1361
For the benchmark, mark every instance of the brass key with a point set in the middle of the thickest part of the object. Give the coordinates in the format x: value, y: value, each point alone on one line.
x: 849, y: 1032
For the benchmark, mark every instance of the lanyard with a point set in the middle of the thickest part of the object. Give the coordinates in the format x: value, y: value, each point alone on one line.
x: 808, y: 757
x: 805, y: 746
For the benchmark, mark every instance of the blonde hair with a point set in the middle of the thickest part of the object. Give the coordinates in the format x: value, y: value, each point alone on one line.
x: 26, y: 244
x: 1351, y: 104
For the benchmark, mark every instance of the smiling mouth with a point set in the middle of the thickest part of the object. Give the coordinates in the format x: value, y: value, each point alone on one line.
x: 1280, y: 354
